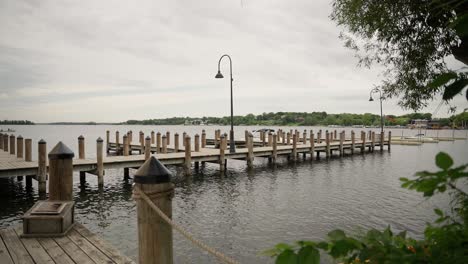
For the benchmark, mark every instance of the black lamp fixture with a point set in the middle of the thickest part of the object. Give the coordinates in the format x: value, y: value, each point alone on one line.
x: 377, y: 90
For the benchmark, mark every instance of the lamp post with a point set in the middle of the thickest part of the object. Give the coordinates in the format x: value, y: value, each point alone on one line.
x: 232, y: 146
x: 377, y: 90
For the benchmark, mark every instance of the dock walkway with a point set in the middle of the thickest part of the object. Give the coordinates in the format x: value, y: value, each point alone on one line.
x: 79, y: 246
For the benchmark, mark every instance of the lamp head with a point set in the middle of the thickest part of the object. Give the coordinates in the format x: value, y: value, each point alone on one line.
x: 219, y: 75
x: 371, y: 99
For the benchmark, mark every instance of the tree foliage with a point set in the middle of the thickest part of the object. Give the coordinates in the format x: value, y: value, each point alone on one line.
x: 445, y: 240
x: 412, y: 40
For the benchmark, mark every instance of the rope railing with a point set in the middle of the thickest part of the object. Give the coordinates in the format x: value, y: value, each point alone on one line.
x: 223, y: 258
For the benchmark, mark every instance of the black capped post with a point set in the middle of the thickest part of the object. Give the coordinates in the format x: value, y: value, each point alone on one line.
x: 61, y: 173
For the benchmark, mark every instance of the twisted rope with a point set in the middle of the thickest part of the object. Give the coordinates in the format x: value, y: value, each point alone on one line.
x: 223, y: 258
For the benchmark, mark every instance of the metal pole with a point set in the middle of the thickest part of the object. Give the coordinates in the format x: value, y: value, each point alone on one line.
x: 232, y: 146
x: 381, y: 113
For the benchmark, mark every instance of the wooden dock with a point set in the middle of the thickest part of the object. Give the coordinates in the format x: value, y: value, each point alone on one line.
x: 79, y: 246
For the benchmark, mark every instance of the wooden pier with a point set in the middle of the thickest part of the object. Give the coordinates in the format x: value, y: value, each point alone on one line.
x: 79, y: 246
x: 200, y: 149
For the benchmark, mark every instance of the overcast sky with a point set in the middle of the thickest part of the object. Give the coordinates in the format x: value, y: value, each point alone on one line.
x: 112, y: 61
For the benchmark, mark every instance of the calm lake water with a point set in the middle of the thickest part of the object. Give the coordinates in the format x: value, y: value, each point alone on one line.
x: 246, y: 210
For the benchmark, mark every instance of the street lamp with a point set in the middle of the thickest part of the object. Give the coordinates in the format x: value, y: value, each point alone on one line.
x: 232, y: 145
x: 375, y: 90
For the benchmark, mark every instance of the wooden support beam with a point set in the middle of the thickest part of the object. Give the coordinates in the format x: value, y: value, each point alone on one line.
x: 158, y: 142
x: 382, y: 136
x: 176, y: 142
x: 147, y: 148
x: 294, y: 148
x: 270, y: 139
x: 250, y: 153
x: 1, y: 140
x: 312, y: 145
x: 81, y: 147
x: 142, y: 142
x: 100, y: 161
x: 5, y: 143
x: 389, y: 140
x: 117, y: 142
x: 327, y: 142
x: 42, y: 167
x: 20, y: 147
x: 353, y: 141
x: 107, y: 140
x: 373, y: 141
x: 275, y: 148
x: 12, y: 144
x: 183, y: 138
x: 61, y: 173
x: 168, y: 138
x: 164, y: 144
x: 126, y: 146
x: 203, y: 139
x: 188, y: 156
x: 363, y: 139
x: 222, y: 148
x: 28, y: 149
x: 153, y: 137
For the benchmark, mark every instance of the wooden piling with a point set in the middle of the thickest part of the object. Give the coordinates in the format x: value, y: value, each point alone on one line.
x: 142, y: 142
x: 100, y: 161
x: 288, y: 140
x: 335, y: 135
x: 188, y: 156
x: 263, y: 138
x: 107, y: 140
x: 147, y: 148
x: 283, y: 138
x: 12, y: 144
x: 1, y: 140
x: 382, y: 136
x: 222, y: 148
x: 197, y: 143
x: 153, y: 139
x: 312, y: 144
x: 184, y: 134
x: 250, y: 153
x: 373, y: 141
x: 363, y: 139
x: 353, y: 141
x: 28, y: 149
x: 168, y: 138
x: 389, y: 140
x: 158, y: 142
x: 270, y: 139
x: 176, y: 142
x: 42, y: 166
x: 327, y: 142
x: 294, y: 149
x: 275, y: 148
x: 155, y: 242
x: 20, y: 147
x: 319, y: 137
x: 342, y: 135
x: 5, y: 143
x: 61, y: 173
x: 203, y: 139
x: 117, y: 142
x: 304, y: 137
x: 125, y: 145
x: 164, y: 144
x: 81, y: 147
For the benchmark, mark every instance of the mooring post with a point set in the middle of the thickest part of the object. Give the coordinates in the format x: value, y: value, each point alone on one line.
x: 130, y: 137
x: 176, y: 142
x: 42, y: 167
x: 152, y: 137
x: 168, y: 138
x: 158, y: 142
x: 389, y: 140
x: 203, y: 139
x: 250, y: 153
x: 335, y: 135
x: 197, y: 143
x: 81, y: 155
x: 382, y: 135
x: 363, y: 139
x: 188, y: 156
x: 20, y: 147
x: 342, y: 136
x: 275, y: 148
x: 246, y: 135
x: 125, y: 145
x: 1, y: 140
x: 319, y: 137
x: 184, y: 134
x: 353, y: 141
x: 164, y: 144
x: 294, y: 148
x: 12, y: 144
x: 100, y: 161
x: 304, y: 137
x: 154, y: 234
x: 107, y: 140
x: 288, y: 141
x: 312, y: 145
x: 270, y: 139
x: 61, y: 173
x: 28, y: 149
x: 283, y: 137
x: 327, y: 141
x: 222, y: 148
x: 142, y: 142
x: 372, y: 141
x: 147, y: 147
x: 5, y: 143
x: 117, y: 142
x: 263, y: 138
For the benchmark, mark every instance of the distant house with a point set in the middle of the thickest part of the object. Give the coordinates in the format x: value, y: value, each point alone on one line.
x: 418, y: 123
x: 197, y: 122
x: 434, y: 124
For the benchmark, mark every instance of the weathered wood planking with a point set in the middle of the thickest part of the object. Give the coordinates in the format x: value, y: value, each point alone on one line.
x: 79, y: 246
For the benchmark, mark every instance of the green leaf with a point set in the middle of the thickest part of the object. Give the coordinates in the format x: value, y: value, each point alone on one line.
x: 283, y: 246
x: 462, y: 26
x: 323, y: 245
x: 308, y: 255
x: 443, y: 160
x: 337, y: 234
x: 341, y: 248
x: 454, y: 88
x: 442, y: 79
x: 403, y: 179
x: 438, y: 212
x: 287, y: 257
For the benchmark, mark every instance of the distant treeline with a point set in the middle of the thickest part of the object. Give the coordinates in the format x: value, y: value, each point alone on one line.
x: 16, y: 122
x: 298, y: 119
x: 73, y: 123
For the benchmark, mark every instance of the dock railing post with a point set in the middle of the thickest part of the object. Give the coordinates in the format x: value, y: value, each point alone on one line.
x: 319, y: 137
x: 342, y: 135
x: 263, y: 138
x: 327, y: 141
x: 125, y: 145
x: 164, y: 144
x: 61, y: 173
x: 42, y: 167
x: 107, y: 140
x: 382, y: 135
x: 270, y: 139
x: 304, y: 137
x: 1, y: 140
x: 20, y: 147
x: 283, y: 137
x: 183, y: 138
x: 250, y: 153
x: 28, y: 149
x: 158, y: 142
x: 152, y: 137
x: 188, y: 156
x: 372, y: 141
x: 288, y: 139
x: 312, y: 145
x: 154, y: 234
x: 176, y: 142
x: 81, y: 155
x: 222, y: 149
x: 12, y: 144
x: 168, y: 138
x: 130, y: 137
x: 117, y: 142
x: 294, y: 147
x: 142, y: 142
x: 363, y: 139
x: 147, y: 147
x: 246, y: 134
x: 390, y: 140
x: 275, y: 148
x: 197, y: 143
x: 5, y: 143
x: 353, y: 140
x: 203, y: 139
x: 100, y: 161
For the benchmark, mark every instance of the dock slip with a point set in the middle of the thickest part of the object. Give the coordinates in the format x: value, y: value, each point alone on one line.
x: 15, y: 159
x: 79, y: 245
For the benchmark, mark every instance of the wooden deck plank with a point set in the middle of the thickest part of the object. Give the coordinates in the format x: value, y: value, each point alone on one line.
x: 16, y: 249
x: 110, y: 251
x: 73, y: 250
x: 36, y: 251
x: 94, y: 253
x: 55, y: 251
x: 4, y: 255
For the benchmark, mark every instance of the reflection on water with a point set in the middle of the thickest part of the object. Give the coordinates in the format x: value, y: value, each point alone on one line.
x: 243, y: 212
